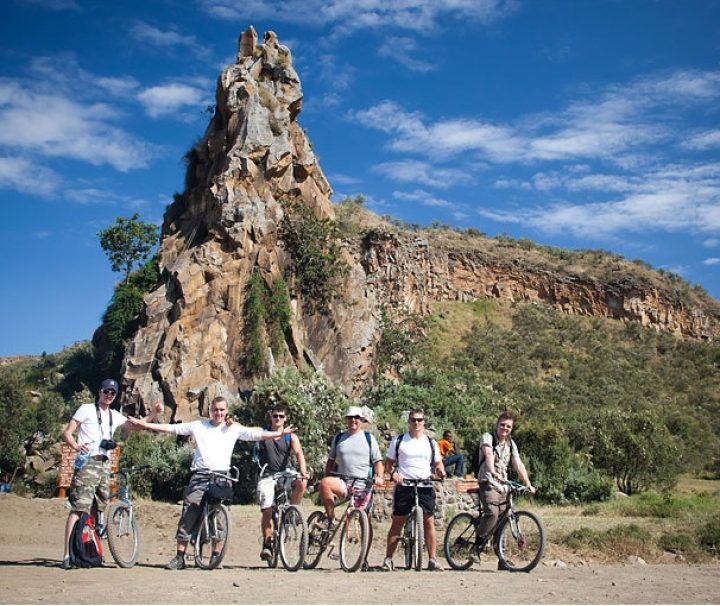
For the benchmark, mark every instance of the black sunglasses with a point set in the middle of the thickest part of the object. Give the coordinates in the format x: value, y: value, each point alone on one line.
x: 354, y: 417
x: 109, y: 392
x: 416, y: 420
x: 278, y: 416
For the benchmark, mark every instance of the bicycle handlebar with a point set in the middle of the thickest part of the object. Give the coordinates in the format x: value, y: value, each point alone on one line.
x: 233, y: 475
x: 125, y: 471
x: 352, y: 479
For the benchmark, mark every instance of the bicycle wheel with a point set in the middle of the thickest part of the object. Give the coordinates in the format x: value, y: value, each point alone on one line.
x: 273, y: 561
x: 461, y: 541
x: 354, y: 540
x: 214, y: 533
x: 419, y: 539
x: 123, y: 535
x: 293, y: 538
x: 315, y: 523
x: 408, y: 539
x: 521, y: 541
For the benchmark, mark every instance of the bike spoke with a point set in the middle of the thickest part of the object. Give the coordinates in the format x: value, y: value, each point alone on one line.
x: 522, y: 541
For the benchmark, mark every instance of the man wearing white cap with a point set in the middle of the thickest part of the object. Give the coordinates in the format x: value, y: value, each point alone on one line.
x: 353, y: 453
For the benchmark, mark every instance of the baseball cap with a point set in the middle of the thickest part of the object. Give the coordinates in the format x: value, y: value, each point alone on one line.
x: 110, y: 384
x: 355, y: 411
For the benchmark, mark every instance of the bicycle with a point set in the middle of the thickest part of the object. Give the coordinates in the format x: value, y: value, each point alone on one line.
x: 518, y: 537
x: 290, y: 532
x: 214, y: 525
x: 121, y: 529
x: 413, y: 536
x: 355, y: 535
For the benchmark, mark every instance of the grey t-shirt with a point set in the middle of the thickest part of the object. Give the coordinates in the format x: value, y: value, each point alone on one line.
x: 352, y: 455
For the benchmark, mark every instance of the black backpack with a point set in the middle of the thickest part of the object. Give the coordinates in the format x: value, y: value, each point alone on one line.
x: 85, y: 545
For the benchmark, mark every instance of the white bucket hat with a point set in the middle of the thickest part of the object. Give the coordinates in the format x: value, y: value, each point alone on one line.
x: 355, y: 411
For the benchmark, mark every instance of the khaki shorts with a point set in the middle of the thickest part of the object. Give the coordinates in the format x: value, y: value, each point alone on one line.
x: 89, y: 484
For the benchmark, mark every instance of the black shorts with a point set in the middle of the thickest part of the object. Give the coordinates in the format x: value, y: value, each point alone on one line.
x: 403, y: 500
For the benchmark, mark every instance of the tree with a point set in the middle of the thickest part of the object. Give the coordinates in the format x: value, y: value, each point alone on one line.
x: 127, y: 242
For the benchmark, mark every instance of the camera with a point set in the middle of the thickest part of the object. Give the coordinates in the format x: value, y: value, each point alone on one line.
x: 108, y: 444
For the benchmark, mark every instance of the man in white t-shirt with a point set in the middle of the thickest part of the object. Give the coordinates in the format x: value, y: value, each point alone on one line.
x: 95, y: 425
x: 413, y: 456
x: 214, y: 439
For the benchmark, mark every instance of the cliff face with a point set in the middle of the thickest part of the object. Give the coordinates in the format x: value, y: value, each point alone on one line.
x: 191, y: 345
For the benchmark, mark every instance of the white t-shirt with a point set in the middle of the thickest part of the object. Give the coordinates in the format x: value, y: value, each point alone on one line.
x: 91, y: 432
x: 214, y: 444
x: 414, y: 462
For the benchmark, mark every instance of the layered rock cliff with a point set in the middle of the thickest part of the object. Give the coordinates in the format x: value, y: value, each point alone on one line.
x: 252, y: 159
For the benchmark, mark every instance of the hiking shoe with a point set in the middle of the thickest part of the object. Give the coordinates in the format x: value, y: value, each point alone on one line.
x: 501, y: 565
x: 433, y: 565
x: 66, y: 565
x: 388, y: 565
x: 177, y: 563
x: 266, y: 553
x: 214, y: 560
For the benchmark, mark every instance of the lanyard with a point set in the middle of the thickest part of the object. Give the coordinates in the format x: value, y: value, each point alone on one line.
x: 99, y: 418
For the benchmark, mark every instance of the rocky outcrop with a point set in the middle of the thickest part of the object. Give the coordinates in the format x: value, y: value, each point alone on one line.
x: 192, y: 341
x: 253, y: 156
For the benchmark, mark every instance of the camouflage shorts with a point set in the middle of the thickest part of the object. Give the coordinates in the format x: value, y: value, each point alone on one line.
x: 91, y: 483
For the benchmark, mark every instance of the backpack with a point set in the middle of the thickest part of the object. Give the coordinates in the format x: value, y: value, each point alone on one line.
x: 475, y: 460
x: 256, y: 449
x: 371, y: 469
x: 85, y: 545
x: 432, y: 451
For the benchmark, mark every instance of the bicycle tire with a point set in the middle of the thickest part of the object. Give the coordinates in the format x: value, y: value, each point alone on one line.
x: 419, y: 539
x: 315, y: 547
x: 354, y: 540
x: 407, y: 539
x: 215, y: 526
x: 521, y: 541
x: 272, y: 562
x: 123, y: 534
x: 292, y: 538
x: 461, y: 541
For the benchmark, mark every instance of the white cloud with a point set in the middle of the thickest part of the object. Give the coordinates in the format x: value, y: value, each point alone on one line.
x: 711, y: 242
x: 401, y: 50
x: 711, y: 261
x: 54, y: 125
x: 171, y: 98
x: 351, y: 15
x: 422, y: 197
x: 414, y: 171
x: 25, y: 176
x: 616, y: 126
x: 706, y: 140
x: 344, y: 179
x: 166, y: 39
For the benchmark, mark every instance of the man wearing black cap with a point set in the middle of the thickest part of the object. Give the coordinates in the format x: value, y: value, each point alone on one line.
x: 95, y: 425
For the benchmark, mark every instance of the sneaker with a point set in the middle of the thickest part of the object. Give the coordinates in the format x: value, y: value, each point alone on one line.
x: 388, y: 565
x: 502, y: 566
x: 433, y: 565
x: 214, y: 557
x: 266, y: 553
x: 177, y: 563
x: 66, y: 565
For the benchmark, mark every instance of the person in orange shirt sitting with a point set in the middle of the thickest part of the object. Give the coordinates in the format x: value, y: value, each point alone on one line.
x: 453, y: 461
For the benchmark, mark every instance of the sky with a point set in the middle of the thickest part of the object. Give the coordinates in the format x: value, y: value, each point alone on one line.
x: 573, y: 123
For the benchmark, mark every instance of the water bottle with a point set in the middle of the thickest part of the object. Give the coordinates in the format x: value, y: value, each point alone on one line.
x: 81, y: 459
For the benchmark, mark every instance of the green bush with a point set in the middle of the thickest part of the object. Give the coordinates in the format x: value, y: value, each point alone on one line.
x: 169, y: 465
x: 710, y: 535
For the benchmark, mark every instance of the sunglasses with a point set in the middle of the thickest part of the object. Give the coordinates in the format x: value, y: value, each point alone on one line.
x: 355, y: 418
x: 278, y: 416
x: 416, y: 420
x: 109, y: 392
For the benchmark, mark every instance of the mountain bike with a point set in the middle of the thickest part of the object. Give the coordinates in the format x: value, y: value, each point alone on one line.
x: 121, y: 529
x: 290, y: 532
x: 354, y: 528
x: 518, y: 537
x: 212, y: 534
x: 413, y: 536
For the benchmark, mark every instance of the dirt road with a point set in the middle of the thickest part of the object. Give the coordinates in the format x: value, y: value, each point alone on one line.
x: 31, y: 537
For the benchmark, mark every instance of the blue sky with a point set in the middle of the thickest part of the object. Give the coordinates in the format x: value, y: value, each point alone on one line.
x: 576, y: 123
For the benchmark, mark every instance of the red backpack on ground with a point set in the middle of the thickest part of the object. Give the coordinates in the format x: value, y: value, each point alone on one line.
x: 85, y: 545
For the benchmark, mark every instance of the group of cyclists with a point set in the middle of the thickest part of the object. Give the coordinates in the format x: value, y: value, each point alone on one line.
x: 354, y: 453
